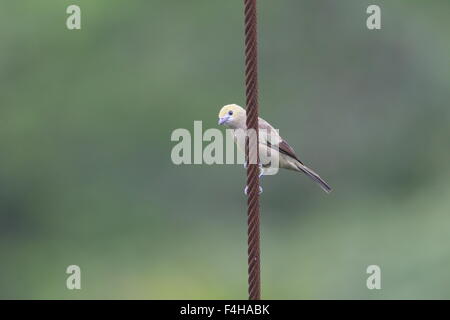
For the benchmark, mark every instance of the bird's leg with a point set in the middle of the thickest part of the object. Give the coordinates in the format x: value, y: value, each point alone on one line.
x: 261, y: 173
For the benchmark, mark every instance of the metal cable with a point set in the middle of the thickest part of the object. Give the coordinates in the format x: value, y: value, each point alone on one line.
x: 252, y: 155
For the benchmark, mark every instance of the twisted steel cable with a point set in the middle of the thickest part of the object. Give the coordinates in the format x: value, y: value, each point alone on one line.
x: 252, y: 155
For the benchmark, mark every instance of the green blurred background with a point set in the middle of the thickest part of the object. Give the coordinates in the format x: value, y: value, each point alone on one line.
x: 86, y: 176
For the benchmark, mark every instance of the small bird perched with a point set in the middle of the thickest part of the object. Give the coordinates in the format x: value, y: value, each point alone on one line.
x: 234, y: 117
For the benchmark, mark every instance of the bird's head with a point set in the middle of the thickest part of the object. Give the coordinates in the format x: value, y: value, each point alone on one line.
x: 232, y: 116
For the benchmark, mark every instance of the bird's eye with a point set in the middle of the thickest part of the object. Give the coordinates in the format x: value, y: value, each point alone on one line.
x: 230, y: 113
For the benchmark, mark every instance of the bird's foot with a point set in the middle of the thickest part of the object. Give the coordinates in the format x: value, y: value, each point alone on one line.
x: 246, y: 190
x: 261, y: 170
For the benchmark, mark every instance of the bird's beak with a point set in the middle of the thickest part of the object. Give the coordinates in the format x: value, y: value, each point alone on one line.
x: 224, y: 119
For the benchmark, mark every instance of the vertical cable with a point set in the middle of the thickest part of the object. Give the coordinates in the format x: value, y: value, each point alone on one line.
x: 252, y: 155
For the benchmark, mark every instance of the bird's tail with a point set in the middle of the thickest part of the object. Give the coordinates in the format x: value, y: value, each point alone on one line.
x: 314, y: 176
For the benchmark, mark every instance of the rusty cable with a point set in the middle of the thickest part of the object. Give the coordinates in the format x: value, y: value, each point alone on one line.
x: 252, y: 154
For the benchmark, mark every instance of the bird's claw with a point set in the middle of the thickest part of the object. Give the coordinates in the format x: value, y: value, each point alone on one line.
x: 261, y: 173
x: 246, y: 190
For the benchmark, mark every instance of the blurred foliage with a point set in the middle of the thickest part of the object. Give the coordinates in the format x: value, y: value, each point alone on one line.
x: 85, y: 170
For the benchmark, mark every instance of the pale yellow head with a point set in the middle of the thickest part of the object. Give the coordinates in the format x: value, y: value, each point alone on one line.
x: 232, y: 116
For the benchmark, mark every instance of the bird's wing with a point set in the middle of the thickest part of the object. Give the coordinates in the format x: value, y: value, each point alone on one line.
x: 286, y: 149
x: 283, y: 146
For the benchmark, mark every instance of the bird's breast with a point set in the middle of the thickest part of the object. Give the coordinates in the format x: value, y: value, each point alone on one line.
x: 267, y: 155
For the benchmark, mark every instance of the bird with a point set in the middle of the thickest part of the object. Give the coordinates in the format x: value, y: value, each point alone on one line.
x: 234, y: 117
